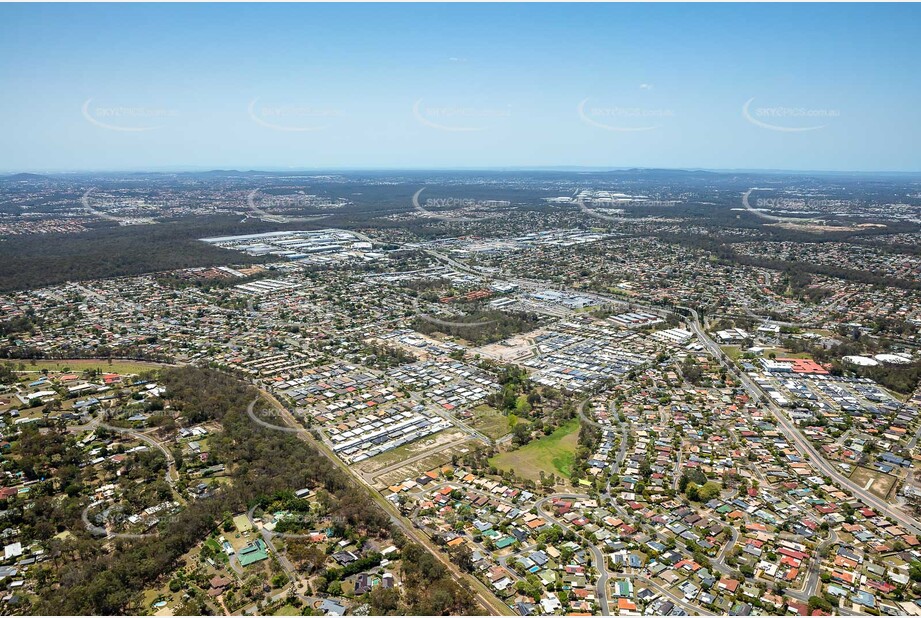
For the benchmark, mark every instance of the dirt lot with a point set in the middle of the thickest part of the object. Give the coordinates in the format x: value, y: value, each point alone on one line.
x: 414, y: 459
x: 512, y: 349
x: 877, y: 483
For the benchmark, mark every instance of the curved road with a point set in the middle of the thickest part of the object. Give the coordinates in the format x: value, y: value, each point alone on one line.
x: 172, y: 474
x: 601, y: 586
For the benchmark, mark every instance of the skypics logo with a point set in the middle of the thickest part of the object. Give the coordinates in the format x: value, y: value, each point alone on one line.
x: 615, y: 213
x: 270, y: 418
x: 298, y: 520
x: 478, y: 210
x: 257, y: 207
x: 292, y: 118
x: 126, y: 119
x: 88, y: 206
x: 591, y: 212
x: 760, y: 213
x: 787, y: 119
x: 453, y: 324
x: 105, y: 522
x: 458, y: 119
x: 623, y: 119
x: 793, y: 204
x: 93, y: 210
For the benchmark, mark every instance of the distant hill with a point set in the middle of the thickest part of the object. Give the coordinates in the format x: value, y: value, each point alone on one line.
x: 23, y: 176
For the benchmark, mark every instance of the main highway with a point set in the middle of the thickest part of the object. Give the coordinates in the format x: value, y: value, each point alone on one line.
x: 799, y: 441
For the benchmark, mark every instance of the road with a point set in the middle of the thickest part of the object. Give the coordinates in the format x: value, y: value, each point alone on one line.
x: 733, y: 537
x: 691, y: 608
x: 601, y: 586
x: 622, y: 451
x: 805, y: 448
x: 914, y: 439
x: 799, y: 441
x: 677, y: 475
x: 172, y: 474
x: 451, y: 418
x: 372, y: 476
x: 802, y: 445
x: 811, y: 584
x: 283, y: 561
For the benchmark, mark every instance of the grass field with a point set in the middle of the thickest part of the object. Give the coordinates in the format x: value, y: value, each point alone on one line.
x: 734, y: 352
x: 783, y: 353
x: 78, y: 365
x: 553, y: 454
x: 490, y: 421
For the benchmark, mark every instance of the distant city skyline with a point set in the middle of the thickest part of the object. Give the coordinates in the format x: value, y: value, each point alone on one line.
x: 807, y: 87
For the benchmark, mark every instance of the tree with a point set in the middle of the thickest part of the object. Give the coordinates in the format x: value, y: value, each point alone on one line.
x: 709, y: 491
x: 384, y: 601
x: 521, y: 433
x: 306, y: 556
x: 819, y: 603
x: 914, y: 571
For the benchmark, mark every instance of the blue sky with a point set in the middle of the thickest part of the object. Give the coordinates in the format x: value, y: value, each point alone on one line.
x: 133, y: 87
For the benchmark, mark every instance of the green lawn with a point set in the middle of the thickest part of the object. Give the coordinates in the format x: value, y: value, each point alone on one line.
x: 782, y: 353
x: 288, y: 610
x: 553, y: 454
x: 734, y: 352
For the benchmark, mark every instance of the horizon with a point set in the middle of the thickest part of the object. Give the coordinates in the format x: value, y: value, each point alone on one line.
x: 440, y: 87
x: 342, y: 170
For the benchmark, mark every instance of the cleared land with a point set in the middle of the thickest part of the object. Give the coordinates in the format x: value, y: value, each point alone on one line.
x: 420, y: 466
x: 407, y: 451
x: 784, y: 353
x: 512, y: 349
x: 875, y: 482
x: 554, y: 454
x: 414, y: 459
x: 735, y: 352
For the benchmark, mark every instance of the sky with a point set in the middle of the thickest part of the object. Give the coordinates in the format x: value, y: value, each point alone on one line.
x: 361, y: 86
